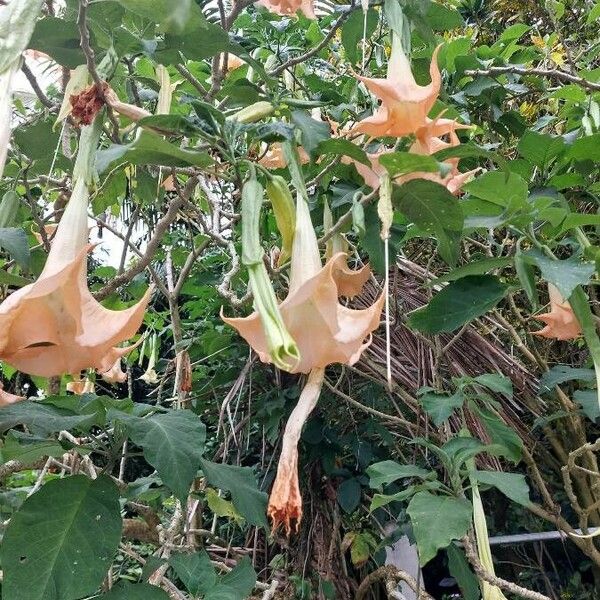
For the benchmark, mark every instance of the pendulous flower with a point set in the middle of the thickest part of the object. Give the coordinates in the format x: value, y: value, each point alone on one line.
x: 404, y: 103
x: 54, y: 325
x: 561, y: 322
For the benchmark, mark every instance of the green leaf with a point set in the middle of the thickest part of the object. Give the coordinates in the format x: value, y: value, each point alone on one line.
x: 40, y: 418
x: 173, y: 444
x: 461, y: 571
x: 239, y: 582
x: 313, y: 132
x: 61, y: 542
x: 566, y: 275
x: 540, y: 148
x: 151, y: 149
x: 222, y: 507
x: 588, y: 400
x: 509, y: 192
x: 13, y: 280
x: 343, y: 147
x: 477, y: 267
x: 440, y: 406
x: 241, y: 483
x: 594, y: 14
x: 458, y: 303
x: 436, y: 521
x: 14, y: 241
x: 432, y: 208
x: 28, y: 449
x: 352, y: 33
x: 399, y: 163
x: 348, y: 495
x: 496, y: 383
x: 586, y: 148
x: 388, y: 471
x: 502, y: 435
x: 124, y: 590
x: 443, y: 18
x: 561, y: 374
x: 60, y: 40
x: 512, y: 485
x: 195, y: 571
x: 172, y: 16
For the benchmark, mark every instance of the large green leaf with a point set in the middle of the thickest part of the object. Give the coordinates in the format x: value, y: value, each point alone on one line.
x: 586, y: 148
x: 151, y: 149
x: 235, y: 585
x: 17, y: 21
x: 512, y: 485
x: 496, y: 187
x: 477, y: 267
x: 41, y: 418
x: 458, y: 303
x: 173, y: 444
x: 134, y: 591
x: 59, y: 39
x: 439, y: 407
x: 399, y: 163
x: 566, y: 275
x: 353, y: 31
x: 388, y: 471
x: 171, y: 16
x: 433, y: 209
x: 60, y: 543
x: 343, y: 147
x: 540, y: 148
x: 195, y: 571
x: 248, y: 500
x: 562, y: 373
x: 436, y: 521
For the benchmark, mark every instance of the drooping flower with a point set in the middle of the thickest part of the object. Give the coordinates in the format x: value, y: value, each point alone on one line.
x: 288, y: 8
x: 115, y: 374
x: 561, y: 322
x: 54, y: 325
x: 81, y: 386
x: 325, y: 332
x: 285, y: 501
x: 428, y: 141
x: 404, y: 103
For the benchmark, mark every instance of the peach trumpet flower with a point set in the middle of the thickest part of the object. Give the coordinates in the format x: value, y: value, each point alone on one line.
x: 561, y: 322
x: 404, y: 103
x: 54, y: 325
x: 274, y: 157
x: 288, y: 8
x: 325, y: 332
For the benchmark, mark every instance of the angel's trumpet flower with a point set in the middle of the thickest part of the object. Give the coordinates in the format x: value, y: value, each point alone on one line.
x: 115, y: 374
x: 404, y: 103
x: 325, y: 332
x: 561, y: 322
x: 428, y: 141
x: 150, y: 376
x: 287, y: 8
x: 54, y: 325
x: 274, y: 157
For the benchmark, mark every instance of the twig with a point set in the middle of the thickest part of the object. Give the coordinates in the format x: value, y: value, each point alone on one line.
x: 548, y: 73
x: 161, y: 228
x: 390, y: 575
x: 483, y: 574
x: 316, y: 49
x: 36, y: 87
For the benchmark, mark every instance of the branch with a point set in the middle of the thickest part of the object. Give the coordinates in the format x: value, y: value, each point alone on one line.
x: 483, y: 574
x: 391, y: 575
x: 161, y: 228
x: 36, y: 87
x: 304, y: 57
x: 548, y: 73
